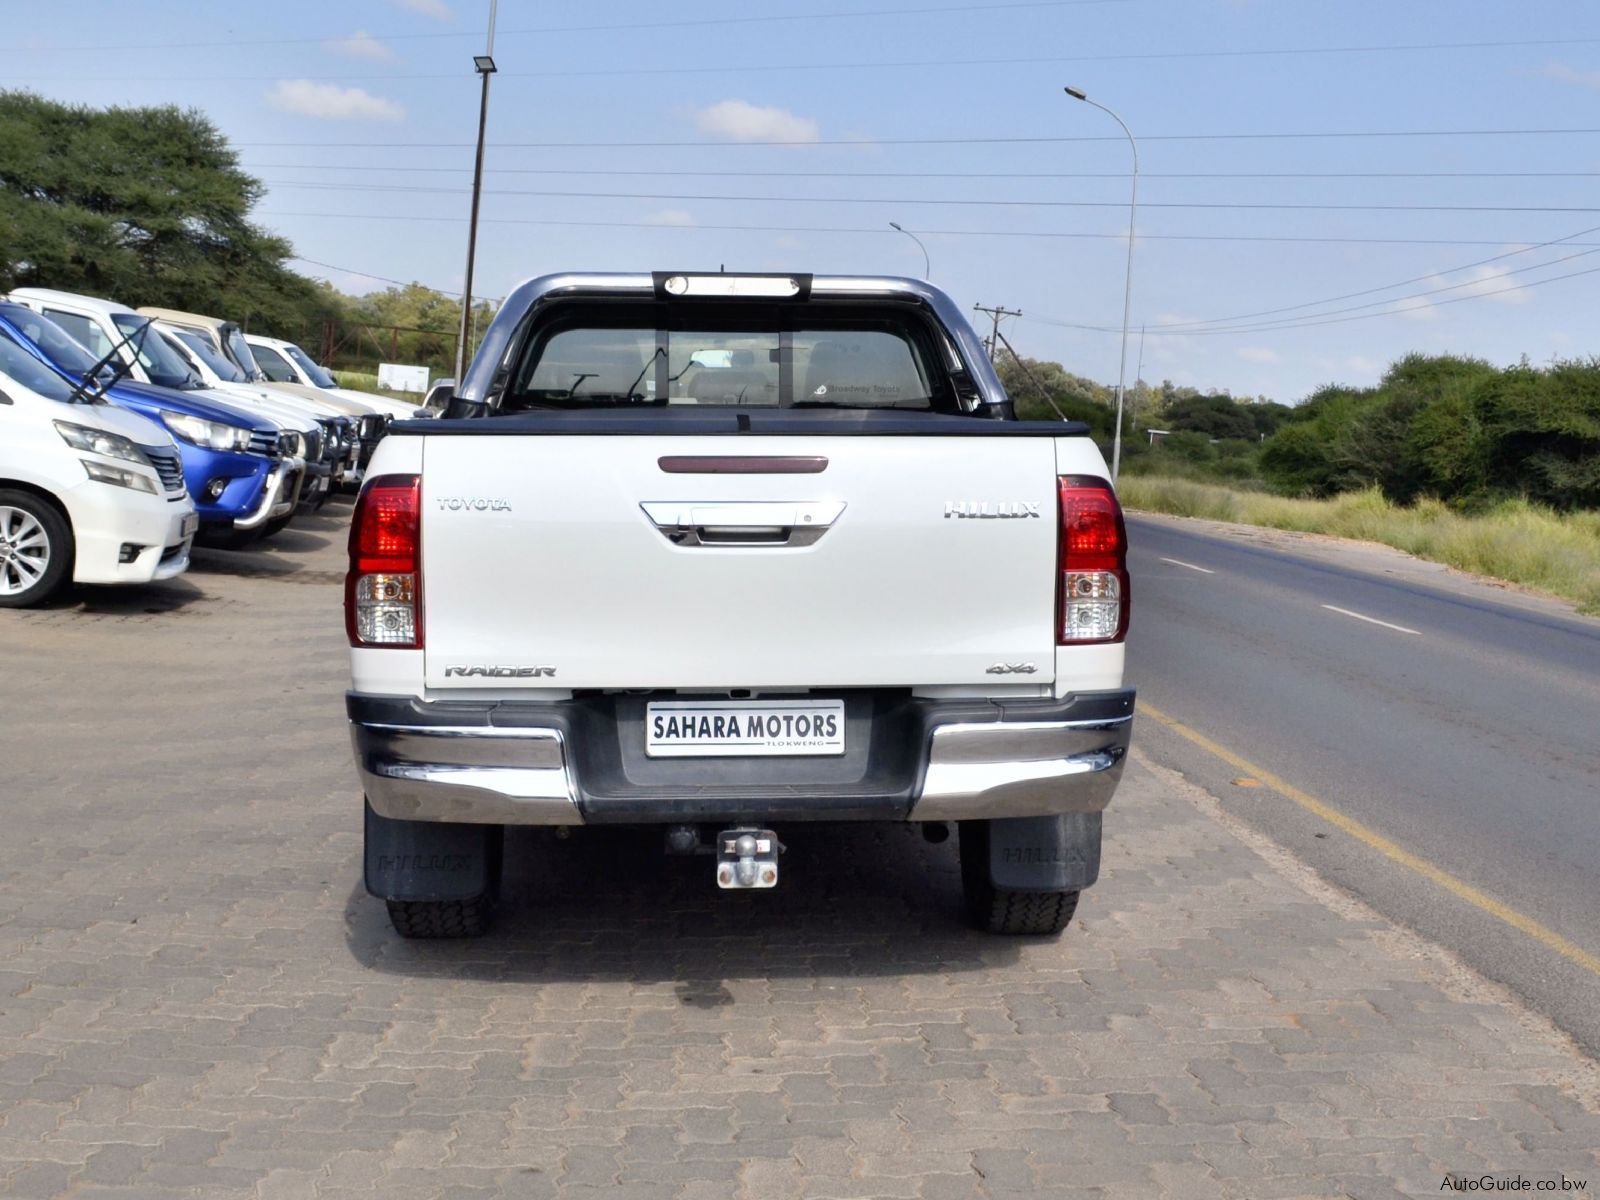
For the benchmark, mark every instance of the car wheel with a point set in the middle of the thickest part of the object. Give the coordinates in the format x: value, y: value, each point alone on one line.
x: 1003, y: 910
x: 36, y: 549
x: 225, y: 537
x: 275, y: 526
x: 440, y: 918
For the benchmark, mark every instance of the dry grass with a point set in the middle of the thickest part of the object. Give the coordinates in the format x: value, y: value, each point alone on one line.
x: 361, y: 381
x: 1515, y: 541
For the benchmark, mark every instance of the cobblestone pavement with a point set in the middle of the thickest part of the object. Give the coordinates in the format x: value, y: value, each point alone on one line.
x: 198, y: 999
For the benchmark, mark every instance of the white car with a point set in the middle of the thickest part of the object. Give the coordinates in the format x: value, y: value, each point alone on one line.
x: 89, y: 493
x: 718, y: 554
x: 284, y: 362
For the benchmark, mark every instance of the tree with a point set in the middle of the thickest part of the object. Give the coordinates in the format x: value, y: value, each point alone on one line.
x: 1079, y: 399
x: 1215, y: 416
x: 141, y: 205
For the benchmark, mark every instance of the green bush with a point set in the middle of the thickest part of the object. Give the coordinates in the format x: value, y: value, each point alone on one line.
x: 1513, y: 540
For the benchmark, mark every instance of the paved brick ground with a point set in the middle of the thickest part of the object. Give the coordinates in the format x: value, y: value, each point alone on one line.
x: 196, y: 997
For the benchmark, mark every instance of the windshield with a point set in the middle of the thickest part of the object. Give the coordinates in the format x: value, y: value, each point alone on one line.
x: 58, y: 346
x: 160, y: 361
x: 239, y: 350
x: 21, y: 367
x: 201, y: 347
x: 778, y: 359
x: 314, y: 372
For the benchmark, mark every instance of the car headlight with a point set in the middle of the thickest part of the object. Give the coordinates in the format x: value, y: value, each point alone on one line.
x: 290, y: 444
x: 98, y: 441
x: 119, y: 477
x: 213, y: 435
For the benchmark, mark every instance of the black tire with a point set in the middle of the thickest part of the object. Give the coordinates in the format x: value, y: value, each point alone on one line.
x: 223, y: 537
x: 45, y: 541
x: 440, y: 918
x: 1001, y: 910
x: 275, y: 526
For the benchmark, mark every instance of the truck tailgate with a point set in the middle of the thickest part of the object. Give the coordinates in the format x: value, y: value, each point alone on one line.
x: 622, y: 561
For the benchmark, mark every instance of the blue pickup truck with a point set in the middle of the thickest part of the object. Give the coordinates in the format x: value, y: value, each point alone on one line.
x: 234, y: 463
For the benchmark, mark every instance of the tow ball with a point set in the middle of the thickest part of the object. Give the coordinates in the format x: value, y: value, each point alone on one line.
x: 747, y: 858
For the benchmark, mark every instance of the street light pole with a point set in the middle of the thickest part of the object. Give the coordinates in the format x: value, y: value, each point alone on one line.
x: 1127, y: 283
x: 927, y: 270
x: 484, y: 65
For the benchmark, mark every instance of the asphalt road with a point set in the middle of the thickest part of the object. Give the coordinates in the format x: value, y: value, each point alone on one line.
x: 1450, y: 717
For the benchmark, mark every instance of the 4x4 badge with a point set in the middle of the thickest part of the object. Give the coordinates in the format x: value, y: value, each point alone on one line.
x: 1022, y: 668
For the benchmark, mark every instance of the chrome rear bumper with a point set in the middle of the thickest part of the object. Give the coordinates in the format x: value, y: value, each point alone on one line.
x: 419, y: 763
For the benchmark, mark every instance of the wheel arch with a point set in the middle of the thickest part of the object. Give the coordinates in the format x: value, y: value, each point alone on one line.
x: 8, y: 484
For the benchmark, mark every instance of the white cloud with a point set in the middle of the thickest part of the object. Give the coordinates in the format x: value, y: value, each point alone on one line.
x: 361, y: 44
x: 330, y: 102
x: 671, y: 216
x: 1258, y: 354
x: 741, y: 121
x: 1496, y: 285
x: 437, y: 9
x: 1562, y: 73
x: 1422, y: 310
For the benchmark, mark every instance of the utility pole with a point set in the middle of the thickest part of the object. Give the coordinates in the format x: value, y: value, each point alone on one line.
x: 1138, y: 385
x: 992, y: 342
x: 484, y: 65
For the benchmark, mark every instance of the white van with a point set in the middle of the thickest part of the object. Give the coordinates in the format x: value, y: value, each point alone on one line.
x: 89, y: 493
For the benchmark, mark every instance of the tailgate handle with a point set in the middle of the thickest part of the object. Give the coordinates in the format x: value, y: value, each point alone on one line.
x: 751, y: 523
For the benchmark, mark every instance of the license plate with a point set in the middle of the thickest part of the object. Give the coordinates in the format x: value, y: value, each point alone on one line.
x: 726, y: 728
x: 190, y: 526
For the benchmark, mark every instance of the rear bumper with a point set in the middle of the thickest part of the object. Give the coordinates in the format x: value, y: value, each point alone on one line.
x: 575, y: 762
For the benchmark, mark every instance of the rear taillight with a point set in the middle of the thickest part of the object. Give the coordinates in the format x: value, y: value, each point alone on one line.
x: 383, y: 591
x: 1092, y: 604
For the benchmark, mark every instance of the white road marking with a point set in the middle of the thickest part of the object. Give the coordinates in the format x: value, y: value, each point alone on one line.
x: 1179, y: 563
x: 1371, y: 620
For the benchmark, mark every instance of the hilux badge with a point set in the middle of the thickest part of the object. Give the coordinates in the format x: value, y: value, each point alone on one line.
x: 991, y: 510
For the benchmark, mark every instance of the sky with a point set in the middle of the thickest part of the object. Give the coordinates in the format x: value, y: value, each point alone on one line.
x: 1323, y: 187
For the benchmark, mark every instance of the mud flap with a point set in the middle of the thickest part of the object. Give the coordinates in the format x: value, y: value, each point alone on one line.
x: 431, y: 860
x: 1044, y: 854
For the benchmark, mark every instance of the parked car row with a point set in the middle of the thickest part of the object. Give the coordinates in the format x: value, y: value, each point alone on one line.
x: 127, y: 435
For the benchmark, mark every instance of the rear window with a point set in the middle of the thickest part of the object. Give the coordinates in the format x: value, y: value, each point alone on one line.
x: 774, y: 358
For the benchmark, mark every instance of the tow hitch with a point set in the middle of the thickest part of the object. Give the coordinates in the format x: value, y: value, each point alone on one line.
x: 747, y: 858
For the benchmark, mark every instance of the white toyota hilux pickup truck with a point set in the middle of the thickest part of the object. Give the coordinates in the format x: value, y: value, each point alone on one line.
x: 724, y: 553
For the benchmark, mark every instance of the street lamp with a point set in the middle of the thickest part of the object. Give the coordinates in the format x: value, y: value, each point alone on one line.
x: 484, y: 65
x: 1127, y: 284
x: 926, y: 269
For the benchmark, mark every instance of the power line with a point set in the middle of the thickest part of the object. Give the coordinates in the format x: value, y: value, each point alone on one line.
x: 588, y: 171
x: 1391, y: 312
x: 1309, y: 323
x: 822, y: 143
x: 690, y: 23
x: 1317, y: 318
x: 723, y: 197
x: 877, y: 231
x: 898, y: 64
x: 382, y: 278
x: 1388, y: 287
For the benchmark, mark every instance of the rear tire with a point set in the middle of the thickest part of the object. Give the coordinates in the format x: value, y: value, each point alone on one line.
x: 1003, y: 910
x: 440, y: 918
x: 36, y: 549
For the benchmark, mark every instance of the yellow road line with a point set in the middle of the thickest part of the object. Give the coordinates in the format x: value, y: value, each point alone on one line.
x: 1456, y: 887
